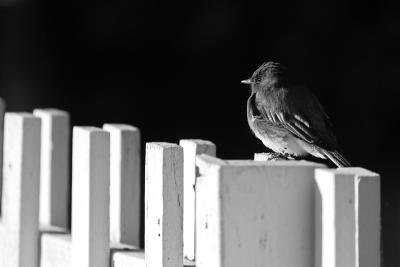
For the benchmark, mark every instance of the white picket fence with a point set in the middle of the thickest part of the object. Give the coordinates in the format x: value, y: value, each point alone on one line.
x: 199, y: 210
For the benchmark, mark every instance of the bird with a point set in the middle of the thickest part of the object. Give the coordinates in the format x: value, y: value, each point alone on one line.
x: 289, y: 119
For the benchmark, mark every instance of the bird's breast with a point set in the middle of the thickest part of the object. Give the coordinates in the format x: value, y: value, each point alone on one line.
x: 277, y: 138
x: 272, y: 134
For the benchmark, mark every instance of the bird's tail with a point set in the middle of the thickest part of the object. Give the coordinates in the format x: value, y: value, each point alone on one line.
x: 337, y: 158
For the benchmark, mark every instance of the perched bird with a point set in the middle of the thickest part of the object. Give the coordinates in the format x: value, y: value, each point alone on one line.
x: 288, y: 118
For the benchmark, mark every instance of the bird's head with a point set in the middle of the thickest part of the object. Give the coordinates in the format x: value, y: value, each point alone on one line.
x: 267, y: 75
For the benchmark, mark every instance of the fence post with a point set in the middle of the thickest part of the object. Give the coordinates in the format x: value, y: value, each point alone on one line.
x: 191, y: 148
x: 54, y: 167
x: 19, y: 233
x: 164, y: 205
x: 124, y: 184
x: 90, y: 197
x: 350, y: 201
x: 255, y: 213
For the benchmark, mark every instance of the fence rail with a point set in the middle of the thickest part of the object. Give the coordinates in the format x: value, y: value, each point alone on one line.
x: 199, y: 209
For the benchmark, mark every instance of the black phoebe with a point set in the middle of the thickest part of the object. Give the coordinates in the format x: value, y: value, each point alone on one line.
x: 288, y: 118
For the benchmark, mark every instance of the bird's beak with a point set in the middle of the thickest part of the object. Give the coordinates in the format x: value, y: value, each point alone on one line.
x: 248, y: 81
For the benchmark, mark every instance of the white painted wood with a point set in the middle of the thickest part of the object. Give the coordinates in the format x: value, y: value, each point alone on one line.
x: 2, y: 112
x: 208, y: 213
x: 124, y: 184
x: 191, y: 148
x: 19, y: 234
x: 55, y: 250
x: 262, y: 156
x: 164, y: 205
x: 136, y: 258
x: 90, y: 197
x: 350, y: 217
x: 128, y: 259
x: 54, y: 167
x: 189, y: 263
x: 253, y: 213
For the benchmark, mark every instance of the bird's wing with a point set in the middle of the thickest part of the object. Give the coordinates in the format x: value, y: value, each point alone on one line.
x: 300, y: 113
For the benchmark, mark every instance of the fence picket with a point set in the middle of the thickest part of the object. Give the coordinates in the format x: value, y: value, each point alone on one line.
x: 19, y: 227
x: 2, y: 112
x: 54, y: 167
x: 255, y: 213
x: 124, y: 184
x: 350, y: 201
x: 164, y: 205
x: 191, y: 148
x: 90, y: 197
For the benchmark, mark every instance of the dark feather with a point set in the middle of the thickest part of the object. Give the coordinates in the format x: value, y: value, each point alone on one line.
x: 337, y: 158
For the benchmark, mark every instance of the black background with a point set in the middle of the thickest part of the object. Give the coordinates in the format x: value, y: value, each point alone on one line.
x: 173, y: 69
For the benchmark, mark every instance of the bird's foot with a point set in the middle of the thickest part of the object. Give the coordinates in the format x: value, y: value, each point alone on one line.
x: 288, y: 157
x: 269, y: 156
